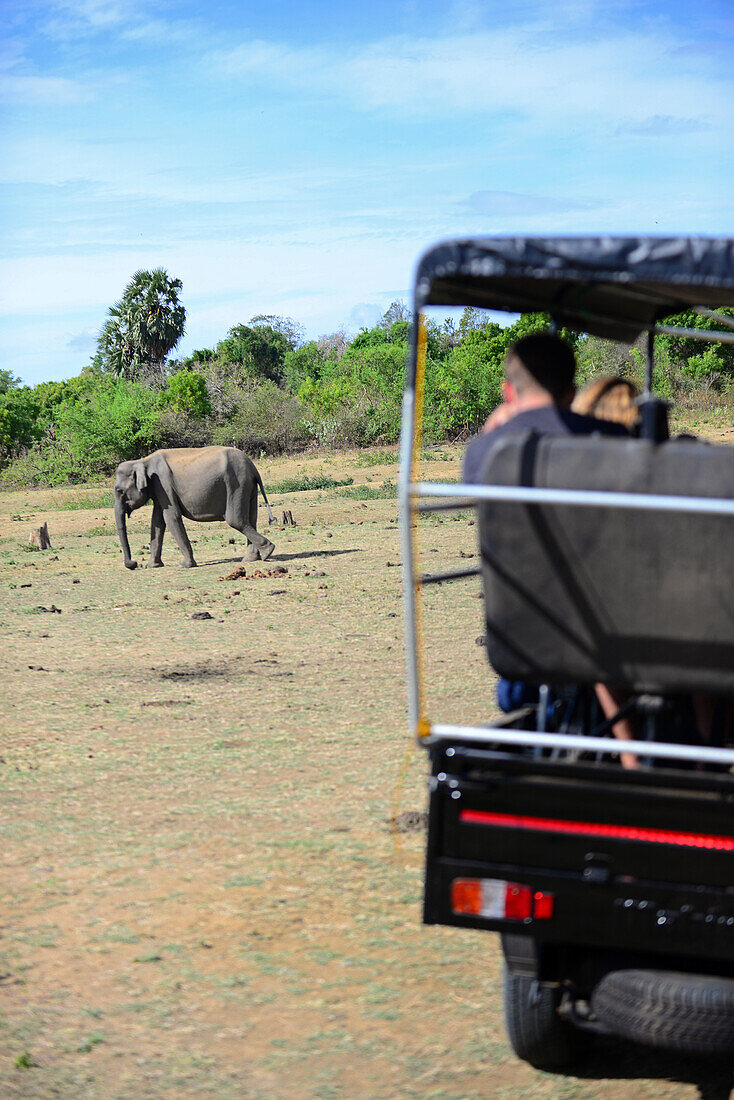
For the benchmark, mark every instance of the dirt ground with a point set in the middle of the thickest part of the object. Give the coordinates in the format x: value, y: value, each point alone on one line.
x: 204, y: 892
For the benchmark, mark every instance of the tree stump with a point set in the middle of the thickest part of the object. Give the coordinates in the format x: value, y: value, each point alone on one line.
x: 39, y: 537
x: 288, y: 520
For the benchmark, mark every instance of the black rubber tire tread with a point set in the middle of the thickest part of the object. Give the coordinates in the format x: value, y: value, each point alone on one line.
x: 536, y: 1032
x: 691, y: 1013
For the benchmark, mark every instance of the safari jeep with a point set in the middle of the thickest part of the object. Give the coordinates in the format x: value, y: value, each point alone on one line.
x: 602, y: 560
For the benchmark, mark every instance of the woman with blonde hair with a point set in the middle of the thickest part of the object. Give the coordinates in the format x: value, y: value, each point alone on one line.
x: 609, y: 398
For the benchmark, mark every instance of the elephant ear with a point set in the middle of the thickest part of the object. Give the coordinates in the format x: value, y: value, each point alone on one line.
x: 141, y: 477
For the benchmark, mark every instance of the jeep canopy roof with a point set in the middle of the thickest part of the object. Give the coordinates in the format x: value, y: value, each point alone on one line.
x: 615, y: 287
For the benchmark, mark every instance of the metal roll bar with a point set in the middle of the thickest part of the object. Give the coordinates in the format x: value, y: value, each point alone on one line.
x: 411, y: 491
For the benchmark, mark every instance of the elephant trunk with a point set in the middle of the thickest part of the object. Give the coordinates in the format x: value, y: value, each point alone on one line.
x: 130, y: 562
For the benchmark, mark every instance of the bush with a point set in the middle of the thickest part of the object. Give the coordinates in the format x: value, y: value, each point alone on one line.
x: 19, y: 422
x: 358, y: 399
x: 462, y: 389
x: 344, y: 426
x: 597, y: 357
x: 304, y: 483
x: 303, y: 364
x: 187, y: 393
x: 116, y: 421
x: 354, y: 419
x: 47, y: 464
x: 707, y: 369
x: 257, y: 352
x: 466, y: 384
x: 266, y: 421
x: 385, y: 491
x: 179, y: 429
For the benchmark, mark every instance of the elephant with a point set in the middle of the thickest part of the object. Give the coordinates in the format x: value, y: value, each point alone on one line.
x: 201, y: 483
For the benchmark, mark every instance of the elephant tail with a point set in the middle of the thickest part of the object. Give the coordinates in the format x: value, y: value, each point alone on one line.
x: 259, y: 480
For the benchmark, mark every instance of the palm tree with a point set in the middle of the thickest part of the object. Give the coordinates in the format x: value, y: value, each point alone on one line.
x: 144, y: 326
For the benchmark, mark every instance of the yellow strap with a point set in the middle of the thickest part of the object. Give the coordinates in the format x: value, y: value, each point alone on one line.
x: 420, y: 645
x: 423, y: 727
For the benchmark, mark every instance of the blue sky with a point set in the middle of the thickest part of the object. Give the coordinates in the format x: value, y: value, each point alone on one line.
x: 295, y: 157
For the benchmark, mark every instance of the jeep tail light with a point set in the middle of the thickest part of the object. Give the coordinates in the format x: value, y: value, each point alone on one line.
x: 542, y: 905
x: 499, y: 900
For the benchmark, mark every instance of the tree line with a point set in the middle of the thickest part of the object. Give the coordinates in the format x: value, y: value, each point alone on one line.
x: 266, y: 389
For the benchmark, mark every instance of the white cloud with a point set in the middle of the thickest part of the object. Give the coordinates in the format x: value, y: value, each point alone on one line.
x: 319, y: 275
x: 364, y: 315
x: 21, y: 85
x: 224, y: 284
x: 83, y: 341
x: 537, y: 70
x: 72, y: 20
x: 665, y: 126
x: 504, y: 204
x: 538, y: 125
x: 41, y: 91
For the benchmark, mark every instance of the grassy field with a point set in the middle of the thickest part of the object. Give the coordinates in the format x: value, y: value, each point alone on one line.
x: 212, y: 826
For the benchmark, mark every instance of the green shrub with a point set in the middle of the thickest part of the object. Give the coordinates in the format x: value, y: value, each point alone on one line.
x: 357, y: 401
x: 19, y: 420
x: 304, y: 483
x: 358, y: 398
x: 109, y: 421
x: 116, y: 421
x: 104, y: 499
x: 596, y: 357
x: 683, y: 349
x: 179, y: 429
x: 48, y: 464
x: 25, y: 1060
x: 302, y: 364
x: 707, y: 369
x: 266, y: 420
x: 465, y: 385
x: 369, y: 492
x: 257, y: 352
x: 187, y: 393
x: 376, y: 458
x: 348, y: 425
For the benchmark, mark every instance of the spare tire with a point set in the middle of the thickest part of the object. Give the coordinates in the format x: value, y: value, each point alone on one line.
x: 692, y: 1013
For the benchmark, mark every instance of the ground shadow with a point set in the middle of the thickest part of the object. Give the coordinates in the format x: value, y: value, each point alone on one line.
x: 613, y: 1059
x: 278, y: 559
x: 317, y: 554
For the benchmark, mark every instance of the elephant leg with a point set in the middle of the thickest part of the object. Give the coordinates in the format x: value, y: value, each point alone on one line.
x: 157, y: 530
x: 259, y: 547
x: 263, y: 552
x: 175, y: 523
x: 241, y: 514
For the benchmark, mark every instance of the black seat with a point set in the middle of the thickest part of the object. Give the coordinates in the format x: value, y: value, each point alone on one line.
x: 582, y: 594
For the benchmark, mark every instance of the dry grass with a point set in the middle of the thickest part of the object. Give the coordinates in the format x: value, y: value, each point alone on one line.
x: 202, y: 895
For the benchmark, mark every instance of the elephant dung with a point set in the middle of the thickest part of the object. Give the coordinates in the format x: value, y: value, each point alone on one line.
x: 241, y: 573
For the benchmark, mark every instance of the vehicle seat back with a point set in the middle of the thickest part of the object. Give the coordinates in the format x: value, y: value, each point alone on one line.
x: 581, y: 594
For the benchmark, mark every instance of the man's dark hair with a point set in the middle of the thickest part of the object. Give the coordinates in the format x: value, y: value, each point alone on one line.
x: 542, y: 361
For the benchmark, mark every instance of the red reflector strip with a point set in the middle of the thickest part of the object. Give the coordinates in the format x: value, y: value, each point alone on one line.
x: 543, y: 905
x: 591, y: 828
x: 518, y: 901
